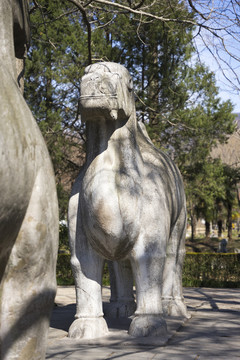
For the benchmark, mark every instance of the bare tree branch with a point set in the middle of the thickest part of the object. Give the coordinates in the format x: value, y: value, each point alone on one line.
x: 195, y: 10
x: 89, y: 30
x: 221, y: 19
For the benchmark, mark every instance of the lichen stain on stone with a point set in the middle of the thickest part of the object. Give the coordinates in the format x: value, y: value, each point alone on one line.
x: 29, y: 351
x: 42, y: 229
x: 21, y: 264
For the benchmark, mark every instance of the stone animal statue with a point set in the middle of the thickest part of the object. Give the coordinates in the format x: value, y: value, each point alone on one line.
x: 28, y: 211
x: 128, y: 206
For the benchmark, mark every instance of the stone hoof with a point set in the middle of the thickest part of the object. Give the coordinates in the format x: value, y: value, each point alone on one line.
x: 178, y: 308
x: 148, y: 325
x: 117, y: 309
x: 88, y: 328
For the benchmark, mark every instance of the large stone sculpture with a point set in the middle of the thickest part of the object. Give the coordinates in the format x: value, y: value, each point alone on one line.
x: 28, y: 211
x: 127, y: 204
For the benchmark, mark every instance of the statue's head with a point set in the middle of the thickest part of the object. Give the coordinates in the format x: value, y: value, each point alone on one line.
x: 106, y: 92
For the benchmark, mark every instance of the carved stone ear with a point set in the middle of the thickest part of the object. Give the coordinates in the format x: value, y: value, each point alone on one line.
x: 130, y: 84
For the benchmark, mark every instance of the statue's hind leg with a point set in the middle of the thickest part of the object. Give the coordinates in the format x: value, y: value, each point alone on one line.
x: 87, y: 268
x: 122, y: 303
x: 172, y: 296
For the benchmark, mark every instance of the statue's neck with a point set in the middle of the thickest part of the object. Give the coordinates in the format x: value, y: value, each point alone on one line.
x: 112, y: 135
x: 7, y: 54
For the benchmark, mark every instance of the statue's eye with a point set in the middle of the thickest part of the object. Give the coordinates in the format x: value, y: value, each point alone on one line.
x: 130, y: 84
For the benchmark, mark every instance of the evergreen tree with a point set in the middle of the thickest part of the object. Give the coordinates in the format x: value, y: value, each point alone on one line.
x: 54, y: 67
x: 204, y: 183
x: 229, y: 198
x: 178, y: 99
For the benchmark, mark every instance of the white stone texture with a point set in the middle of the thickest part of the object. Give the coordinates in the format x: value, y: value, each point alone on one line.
x: 28, y: 211
x: 127, y: 204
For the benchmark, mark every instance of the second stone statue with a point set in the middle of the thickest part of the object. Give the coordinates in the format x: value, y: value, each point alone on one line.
x: 128, y: 206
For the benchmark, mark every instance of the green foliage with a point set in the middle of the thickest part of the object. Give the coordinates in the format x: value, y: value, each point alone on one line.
x: 64, y: 272
x: 179, y: 100
x: 200, y: 269
x: 229, y: 198
x: 55, y: 64
x: 105, y: 277
x: 63, y: 238
x: 212, y: 270
x: 231, y: 181
x: 204, y: 184
x: 156, y: 55
x: 63, y: 197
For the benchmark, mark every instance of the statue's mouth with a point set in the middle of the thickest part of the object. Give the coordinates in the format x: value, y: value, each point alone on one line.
x: 112, y: 96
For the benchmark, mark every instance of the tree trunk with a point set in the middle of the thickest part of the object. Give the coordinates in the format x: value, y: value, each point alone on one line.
x: 193, y: 226
x: 220, y: 228
x: 207, y: 229
x: 229, y: 221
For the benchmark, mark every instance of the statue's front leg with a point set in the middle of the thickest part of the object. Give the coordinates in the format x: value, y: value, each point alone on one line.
x: 147, y: 260
x: 87, y: 268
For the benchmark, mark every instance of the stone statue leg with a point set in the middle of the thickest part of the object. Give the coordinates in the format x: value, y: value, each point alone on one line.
x: 172, y: 296
x: 147, y: 259
x: 122, y: 303
x: 87, y: 268
x: 29, y: 283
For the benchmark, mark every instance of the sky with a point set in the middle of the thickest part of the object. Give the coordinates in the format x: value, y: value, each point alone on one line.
x: 226, y: 89
x: 222, y: 16
x: 235, y: 99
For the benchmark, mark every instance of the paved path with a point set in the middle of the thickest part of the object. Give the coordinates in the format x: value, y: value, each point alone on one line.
x: 212, y: 332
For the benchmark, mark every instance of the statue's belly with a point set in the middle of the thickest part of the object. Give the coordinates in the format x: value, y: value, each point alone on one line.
x: 111, y: 212
x: 21, y: 147
x: 19, y: 140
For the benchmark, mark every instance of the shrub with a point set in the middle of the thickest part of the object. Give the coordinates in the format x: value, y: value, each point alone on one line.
x: 63, y: 236
x: 211, y: 270
x: 64, y: 271
x: 200, y: 269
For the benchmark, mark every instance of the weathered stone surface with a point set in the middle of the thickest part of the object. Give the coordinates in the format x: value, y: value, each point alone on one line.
x: 122, y: 303
x: 88, y: 328
x: 128, y: 204
x: 28, y: 211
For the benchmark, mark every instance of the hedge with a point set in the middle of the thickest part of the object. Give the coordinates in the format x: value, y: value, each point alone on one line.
x: 212, y: 270
x: 64, y: 271
x: 200, y: 270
